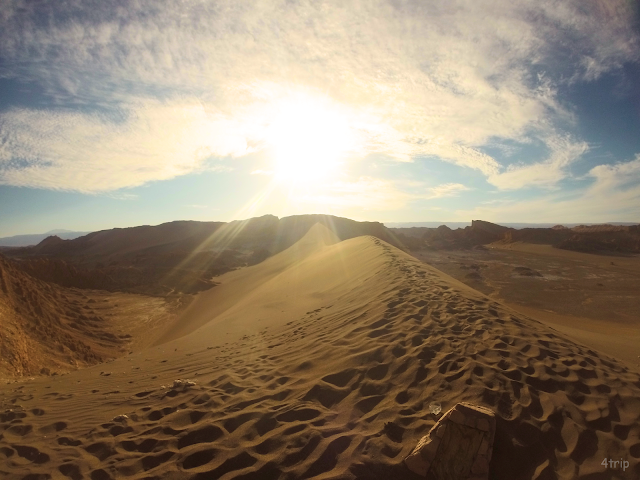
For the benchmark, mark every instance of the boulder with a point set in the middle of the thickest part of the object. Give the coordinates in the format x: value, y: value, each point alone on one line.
x: 458, y: 447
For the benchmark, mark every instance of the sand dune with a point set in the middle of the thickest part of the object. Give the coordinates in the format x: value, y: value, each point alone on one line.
x: 320, y: 363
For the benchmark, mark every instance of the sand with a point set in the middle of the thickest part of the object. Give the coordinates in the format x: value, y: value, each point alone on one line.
x: 321, y: 362
x: 593, y: 298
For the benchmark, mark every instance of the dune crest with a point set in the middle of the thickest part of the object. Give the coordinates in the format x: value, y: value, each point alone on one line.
x: 236, y: 287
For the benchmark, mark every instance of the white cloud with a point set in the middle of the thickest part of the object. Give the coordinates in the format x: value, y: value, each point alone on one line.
x: 618, y: 177
x: 93, y: 153
x: 365, y: 193
x: 614, y: 195
x: 546, y: 174
x: 416, y: 79
x: 446, y: 190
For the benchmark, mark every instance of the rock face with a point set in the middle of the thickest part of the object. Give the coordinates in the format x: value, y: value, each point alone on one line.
x: 623, y: 239
x: 458, y: 447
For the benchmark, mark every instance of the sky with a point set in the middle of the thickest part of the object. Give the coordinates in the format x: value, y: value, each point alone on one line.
x: 124, y: 113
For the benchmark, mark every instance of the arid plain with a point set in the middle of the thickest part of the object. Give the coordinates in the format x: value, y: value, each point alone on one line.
x: 592, y: 297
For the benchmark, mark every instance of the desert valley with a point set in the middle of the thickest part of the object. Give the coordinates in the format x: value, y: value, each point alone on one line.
x: 312, y: 347
x: 291, y: 240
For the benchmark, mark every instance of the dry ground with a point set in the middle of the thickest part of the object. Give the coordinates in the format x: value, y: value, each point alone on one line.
x: 595, y: 298
x: 320, y: 363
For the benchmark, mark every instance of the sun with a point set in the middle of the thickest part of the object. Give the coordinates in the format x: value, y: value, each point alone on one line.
x: 310, y: 139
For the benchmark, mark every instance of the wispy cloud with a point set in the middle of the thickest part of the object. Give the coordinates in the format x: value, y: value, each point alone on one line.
x: 620, y: 177
x: 546, y: 174
x: 368, y: 193
x: 612, y: 195
x: 93, y: 153
x: 120, y: 195
x: 446, y: 190
x: 418, y: 79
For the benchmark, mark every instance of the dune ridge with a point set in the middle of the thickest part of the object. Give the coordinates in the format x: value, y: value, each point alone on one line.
x: 324, y: 368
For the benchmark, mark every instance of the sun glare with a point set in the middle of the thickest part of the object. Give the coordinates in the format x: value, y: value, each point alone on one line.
x: 310, y: 140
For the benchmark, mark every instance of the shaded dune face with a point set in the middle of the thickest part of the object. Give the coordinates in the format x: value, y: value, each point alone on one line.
x: 44, y: 326
x: 334, y: 382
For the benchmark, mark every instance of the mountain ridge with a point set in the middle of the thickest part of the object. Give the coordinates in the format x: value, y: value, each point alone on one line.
x: 601, y: 238
x: 179, y: 256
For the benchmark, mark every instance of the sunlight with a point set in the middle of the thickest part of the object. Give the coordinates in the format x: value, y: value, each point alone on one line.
x: 310, y: 139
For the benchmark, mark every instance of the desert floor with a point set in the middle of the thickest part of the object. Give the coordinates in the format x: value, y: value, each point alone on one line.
x: 594, y: 298
x: 321, y: 362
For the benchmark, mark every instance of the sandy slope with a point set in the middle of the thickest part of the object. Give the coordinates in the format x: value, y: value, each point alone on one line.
x: 619, y: 340
x: 320, y: 363
x: 593, y: 298
x: 47, y: 327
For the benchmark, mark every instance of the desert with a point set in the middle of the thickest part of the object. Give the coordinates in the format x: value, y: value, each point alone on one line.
x: 321, y: 360
x: 293, y: 239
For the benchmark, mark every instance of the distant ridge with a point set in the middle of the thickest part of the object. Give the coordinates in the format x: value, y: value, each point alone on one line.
x: 34, y: 239
x: 179, y: 256
x: 600, y: 238
x: 268, y: 232
x: 518, y: 225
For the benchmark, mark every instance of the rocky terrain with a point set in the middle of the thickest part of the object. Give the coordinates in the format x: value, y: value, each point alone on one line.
x: 321, y: 362
x: 603, y: 239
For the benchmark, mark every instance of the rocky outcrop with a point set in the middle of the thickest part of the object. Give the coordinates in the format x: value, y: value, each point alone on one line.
x: 479, y: 233
x: 622, y: 239
x: 458, y: 447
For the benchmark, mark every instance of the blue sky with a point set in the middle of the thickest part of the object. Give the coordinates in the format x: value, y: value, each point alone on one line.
x: 142, y: 112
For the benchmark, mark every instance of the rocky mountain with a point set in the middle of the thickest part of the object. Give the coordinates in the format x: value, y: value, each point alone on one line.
x: 622, y: 239
x: 34, y: 239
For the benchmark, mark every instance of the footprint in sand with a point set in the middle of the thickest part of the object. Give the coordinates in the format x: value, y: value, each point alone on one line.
x: 100, y: 450
x: 207, y: 434
x: 54, y: 427
x: 199, y: 458
x: 31, y: 454
x: 100, y: 474
x: 71, y: 470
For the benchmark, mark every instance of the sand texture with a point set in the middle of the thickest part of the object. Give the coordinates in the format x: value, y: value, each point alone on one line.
x: 593, y: 298
x: 320, y: 362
